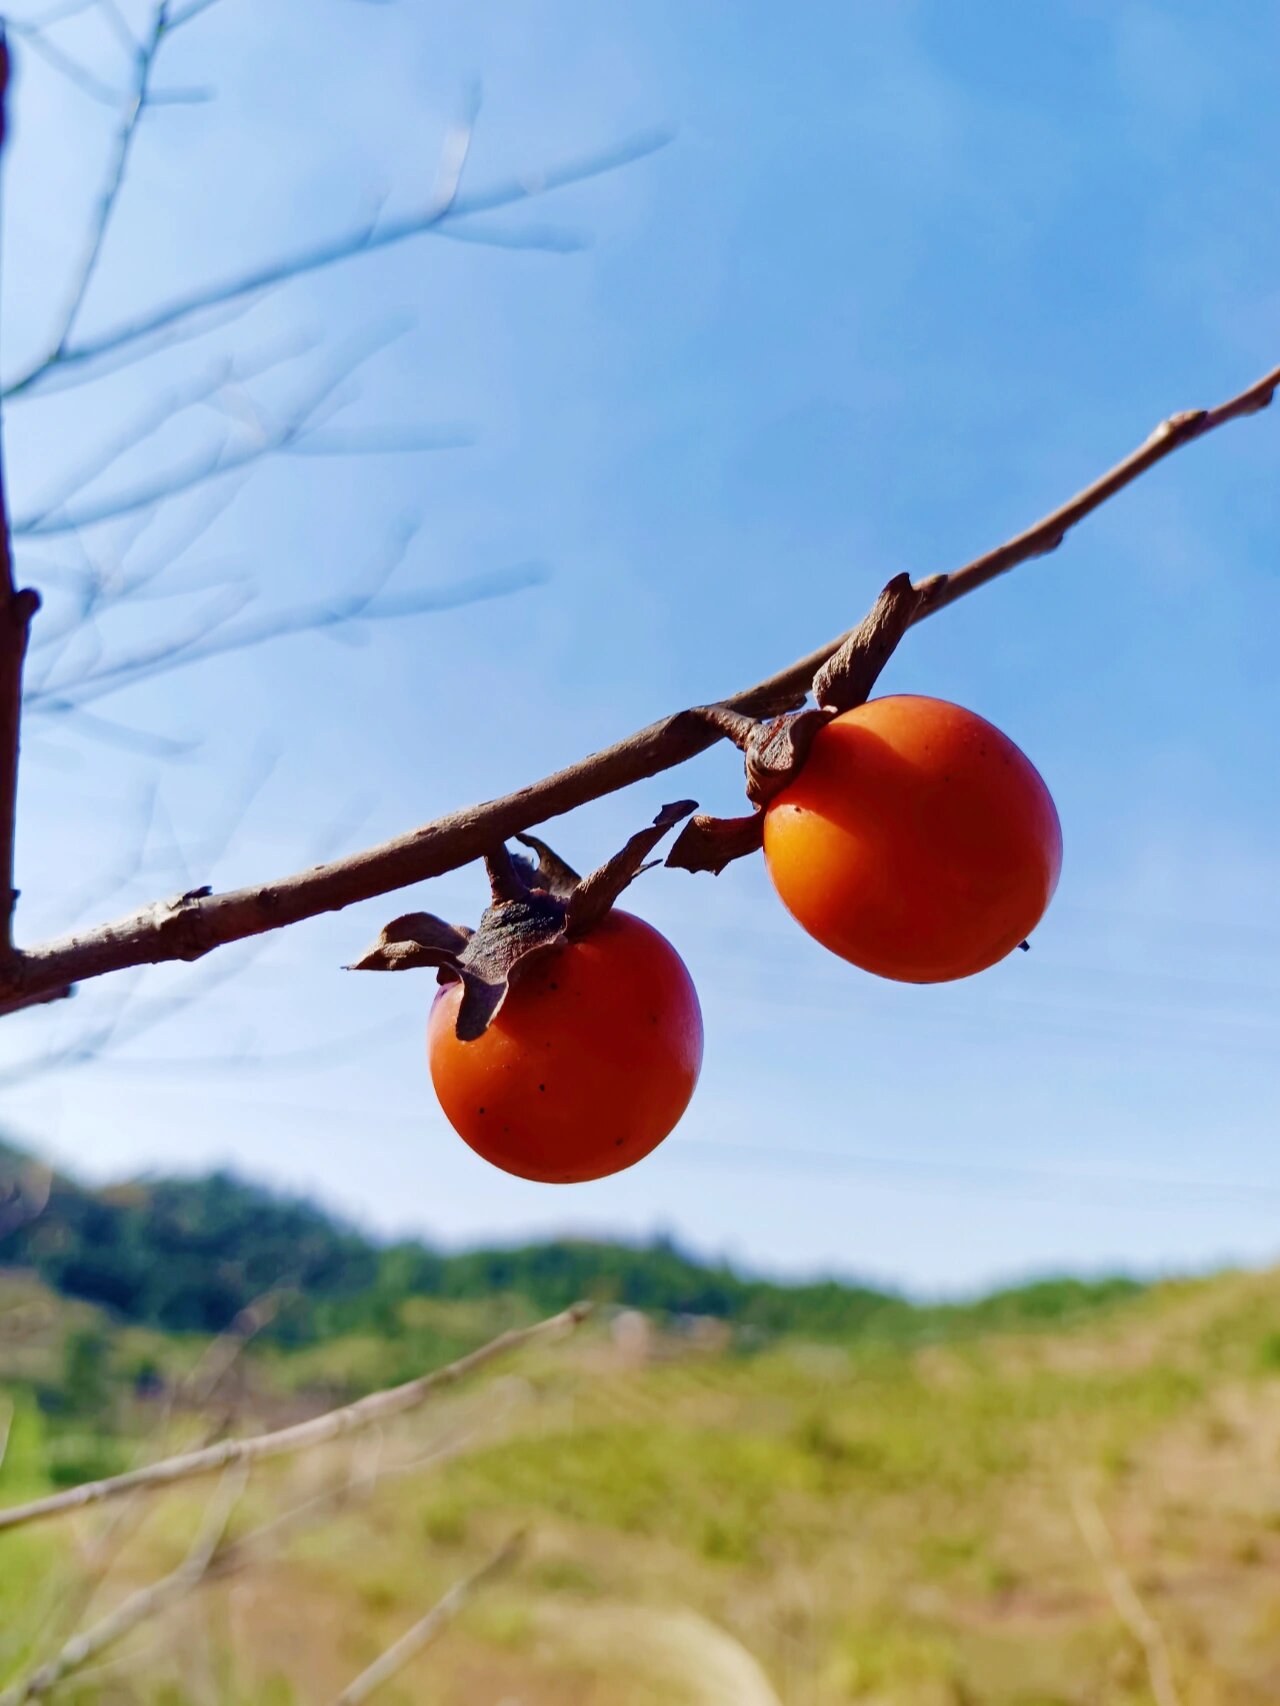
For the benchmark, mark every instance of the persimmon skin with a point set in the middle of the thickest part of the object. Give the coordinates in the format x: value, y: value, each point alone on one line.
x: 589, y: 1063
x: 917, y: 840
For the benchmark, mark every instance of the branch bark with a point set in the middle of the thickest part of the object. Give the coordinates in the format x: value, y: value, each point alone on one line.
x: 320, y: 1430
x: 17, y: 608
x: 199, y: 921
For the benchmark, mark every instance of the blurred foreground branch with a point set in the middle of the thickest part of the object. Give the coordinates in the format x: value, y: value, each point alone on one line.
x: 1124, y: 1597
x: 147, y: 1602
x: 320, y: 1430
x: 421, y: 1635
x: 213, y: 1560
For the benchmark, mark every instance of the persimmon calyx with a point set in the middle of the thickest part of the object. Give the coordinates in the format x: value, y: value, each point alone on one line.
x: 774, y: 751
x: 536, y: 906
x: 710, y: 843
x: 846, y: 679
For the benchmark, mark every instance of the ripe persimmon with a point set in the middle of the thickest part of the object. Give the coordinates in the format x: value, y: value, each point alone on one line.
x: 916, y: 840
x: 587, y: 1065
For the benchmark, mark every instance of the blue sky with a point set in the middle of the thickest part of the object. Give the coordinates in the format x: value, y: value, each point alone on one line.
x: 907, y: 275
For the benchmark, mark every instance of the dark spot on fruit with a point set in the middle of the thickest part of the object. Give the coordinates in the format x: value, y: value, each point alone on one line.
x: 555, y: 986
x: 479, y: 1110
x: 542, y: 1086
x: 617, y: 1143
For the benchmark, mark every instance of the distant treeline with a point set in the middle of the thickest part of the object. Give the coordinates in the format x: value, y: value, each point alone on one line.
x: 187, y: 1255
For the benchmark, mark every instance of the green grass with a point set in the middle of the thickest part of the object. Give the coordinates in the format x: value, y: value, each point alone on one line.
x: 883, y: 1521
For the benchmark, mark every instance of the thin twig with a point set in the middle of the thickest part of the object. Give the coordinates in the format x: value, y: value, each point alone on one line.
x: 138, y: 1607
x: 200, y: 1383
x: 1124, y: 1597
x: 420, y: 1636
x: 193, y: 924
x: 302, y: 1436
x: 265, y: 1541
x: 202, y: 642
x: 1049, y: 533
x: 226, y: 374
x: 144, y: 64
x: 65, y: 65
x: 292, y: 435
x: 444, y: 216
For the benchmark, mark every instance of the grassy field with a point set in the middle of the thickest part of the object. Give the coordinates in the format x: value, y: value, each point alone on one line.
x: 985, y: 1513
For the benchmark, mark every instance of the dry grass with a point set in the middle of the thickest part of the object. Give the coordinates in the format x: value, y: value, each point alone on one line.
x: 813, y: 1526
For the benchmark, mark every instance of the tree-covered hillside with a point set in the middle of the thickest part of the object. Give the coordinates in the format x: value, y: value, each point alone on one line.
x: 186, y: 1254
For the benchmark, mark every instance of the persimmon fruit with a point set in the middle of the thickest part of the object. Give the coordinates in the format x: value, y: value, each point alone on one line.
x: 587, y: 1065
x: 916, y: 840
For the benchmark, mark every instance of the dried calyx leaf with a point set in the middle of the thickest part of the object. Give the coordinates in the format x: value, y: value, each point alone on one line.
x: 595, y: 895
x: 775, y: 750
x: 549, y: 871
x: 414, y: 939
x: 846, y: 679
x: 535, y: 907
x: 710, y: 843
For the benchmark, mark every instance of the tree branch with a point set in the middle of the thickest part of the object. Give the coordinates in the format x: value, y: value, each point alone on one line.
x: 144, y: 58
x: 146, y: 1602
x: 302, y: 1436
x: 1049, y: 533
x: 1124, y: 1597
x: 298, y: 431
x: 444, y: 216
x: 193, y: 924
x: 423, y: 1632
x: 17, y: 608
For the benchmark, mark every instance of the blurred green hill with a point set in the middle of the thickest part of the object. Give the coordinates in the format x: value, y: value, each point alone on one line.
x: 188, y: 1254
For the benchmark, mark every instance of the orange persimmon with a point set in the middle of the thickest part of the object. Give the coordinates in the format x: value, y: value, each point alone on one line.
x: 916, y: 841
x: 588, y: 1064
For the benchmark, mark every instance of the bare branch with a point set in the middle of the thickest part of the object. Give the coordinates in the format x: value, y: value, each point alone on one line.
x: 64, y: 64
x: 420, y: 1636
x: 195, y: 923
x: 17, y: 608
x: 302, y: 1436
x: 186, y: 13
x: 442, y: 216
x: 1124, y: 1597
x: 145, y: 1603
x: 1049, y: 533
x: 202, y: 642
x: 144, y: 63
x: 57, y: 14
x: 290, y: 433
x: 225, y: 374
x: 120, y: 26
